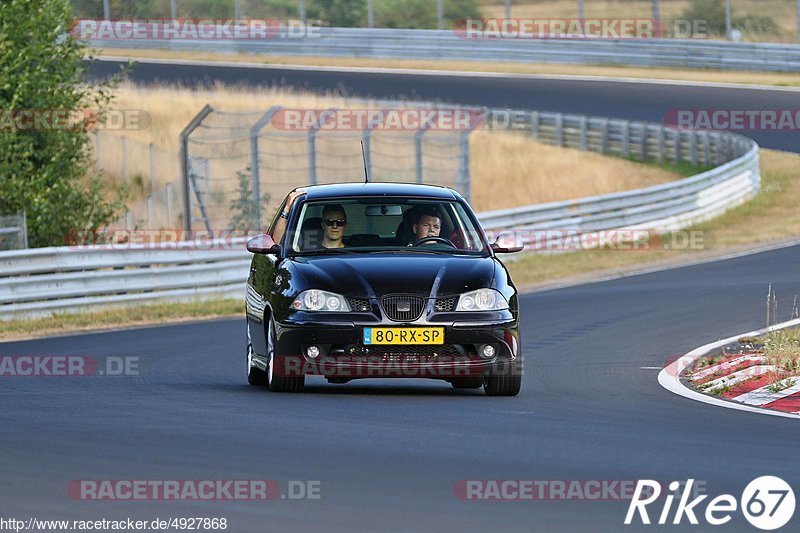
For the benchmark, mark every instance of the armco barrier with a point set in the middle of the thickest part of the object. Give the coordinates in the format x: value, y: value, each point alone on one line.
x: 446, y: 45
x: 42, y: 281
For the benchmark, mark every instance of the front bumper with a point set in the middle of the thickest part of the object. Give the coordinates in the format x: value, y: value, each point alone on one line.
x: 343, y: 356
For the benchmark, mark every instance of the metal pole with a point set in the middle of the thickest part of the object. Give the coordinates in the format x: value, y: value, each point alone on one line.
x: 169, y: 205
x: 153, y: 184
x: 184, y: 144
x: 797, y: 13
x: 125, y: 159
x: 581, y: 9
x: 106, y: 10
x: 728, y: 19
x: 173, y: 8
x: 149, y: 212
x: 508, y: 9
x: 370, y: 15
x: 255, y: 170
x: 439, y: 14
x: 237, y: 9
x: 657, y: 19
x: 301, y: 10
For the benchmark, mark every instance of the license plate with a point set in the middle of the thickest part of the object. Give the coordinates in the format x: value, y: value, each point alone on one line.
x: 403, y: 336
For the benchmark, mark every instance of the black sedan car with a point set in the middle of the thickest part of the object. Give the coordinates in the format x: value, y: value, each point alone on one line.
x: 381, y: 280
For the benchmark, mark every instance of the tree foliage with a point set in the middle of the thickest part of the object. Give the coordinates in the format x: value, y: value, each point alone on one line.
x: 48, y: 173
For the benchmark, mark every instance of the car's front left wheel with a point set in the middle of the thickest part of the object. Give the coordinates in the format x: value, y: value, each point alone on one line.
x: 275, y: 381
x: 255, y: 376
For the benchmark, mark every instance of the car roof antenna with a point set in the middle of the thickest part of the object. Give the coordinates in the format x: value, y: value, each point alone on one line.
x: 364, y: 157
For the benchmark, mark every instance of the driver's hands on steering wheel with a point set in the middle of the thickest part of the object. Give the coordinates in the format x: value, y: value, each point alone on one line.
x: 435, y: 240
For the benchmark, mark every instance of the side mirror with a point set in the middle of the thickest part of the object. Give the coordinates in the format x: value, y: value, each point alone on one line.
x: 263, y: 244
x: 507, y: 244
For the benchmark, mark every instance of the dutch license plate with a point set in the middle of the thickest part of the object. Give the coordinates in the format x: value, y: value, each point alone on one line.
x: 403, y: 336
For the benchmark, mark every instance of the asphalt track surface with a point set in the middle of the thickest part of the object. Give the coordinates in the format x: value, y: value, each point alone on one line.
x: 388, y: 453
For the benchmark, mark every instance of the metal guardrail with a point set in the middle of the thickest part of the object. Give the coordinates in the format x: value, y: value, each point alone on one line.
x: 46, y: 280
x: 447, y: 45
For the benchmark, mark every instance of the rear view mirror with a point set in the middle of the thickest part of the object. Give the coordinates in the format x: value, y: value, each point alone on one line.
x: 263, y: 244
x: 383, y: 210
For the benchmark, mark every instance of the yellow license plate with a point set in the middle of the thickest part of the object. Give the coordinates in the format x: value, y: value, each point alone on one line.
x: 403, y: 336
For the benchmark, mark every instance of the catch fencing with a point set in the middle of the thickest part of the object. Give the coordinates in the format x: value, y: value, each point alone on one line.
x: 42, y: 281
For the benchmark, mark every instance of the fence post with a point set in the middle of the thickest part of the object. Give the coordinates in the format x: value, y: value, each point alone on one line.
x: 25, y: 228
x: 662, y: 148
x: 604, y: 137
x: 183, y: 139
x: 559, y: 129
x: 626, y: 131
x: 676, y: 138
x: 97, y: 153
x: 124, y: 141
x: 693, y: 146
x: 255, y: 169
x: 584, y: 143
x: 418, y: 170
x: 706, y: 149
x: 169, y: 204
x: 312, y: 145
x: 643, y: 152
x: 153, y: 183
x: 150, y: 212
x: 535, y: 125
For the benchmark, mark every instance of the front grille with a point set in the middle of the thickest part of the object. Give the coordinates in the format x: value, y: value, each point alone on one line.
x: 359, y: 304
x: 412, y: 354
x: 445, y: 304
x: 403, y: 308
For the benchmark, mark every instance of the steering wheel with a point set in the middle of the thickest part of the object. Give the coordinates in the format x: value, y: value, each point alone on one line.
x: 438, y: 240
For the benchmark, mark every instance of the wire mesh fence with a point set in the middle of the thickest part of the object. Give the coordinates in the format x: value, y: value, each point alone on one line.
x: 13, y: 232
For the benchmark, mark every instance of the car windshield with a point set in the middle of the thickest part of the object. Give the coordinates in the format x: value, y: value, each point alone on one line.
x: 401, y: 225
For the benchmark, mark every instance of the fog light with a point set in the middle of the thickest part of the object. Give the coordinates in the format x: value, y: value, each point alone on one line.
x: 312, y: 352
x: 487, y: 351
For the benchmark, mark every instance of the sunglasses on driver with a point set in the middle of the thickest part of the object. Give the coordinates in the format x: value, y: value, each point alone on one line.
x: 335, y: 223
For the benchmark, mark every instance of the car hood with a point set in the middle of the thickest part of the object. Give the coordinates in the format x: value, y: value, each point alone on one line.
x: 376, y: 275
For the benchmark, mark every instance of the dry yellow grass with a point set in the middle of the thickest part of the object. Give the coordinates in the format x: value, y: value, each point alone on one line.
x: 782, y: 11
x: 500, y: 162
x: 770, y: 217
x: 688, y: 74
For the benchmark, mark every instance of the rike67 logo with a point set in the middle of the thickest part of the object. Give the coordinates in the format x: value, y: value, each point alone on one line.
x: 767, y: 503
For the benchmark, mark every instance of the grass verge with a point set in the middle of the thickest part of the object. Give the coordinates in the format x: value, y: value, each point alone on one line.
x: 120, y: 317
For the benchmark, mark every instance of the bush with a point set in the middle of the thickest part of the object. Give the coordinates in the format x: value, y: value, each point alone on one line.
x: 713, y: 11
x: 47, y: 173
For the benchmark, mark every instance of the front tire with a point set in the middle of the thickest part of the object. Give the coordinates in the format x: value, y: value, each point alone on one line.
x: 255, y: 376
x: 275, y: 382
x: 505, y: 380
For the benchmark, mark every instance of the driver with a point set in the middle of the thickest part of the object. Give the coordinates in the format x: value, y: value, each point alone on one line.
x: 427, y: 224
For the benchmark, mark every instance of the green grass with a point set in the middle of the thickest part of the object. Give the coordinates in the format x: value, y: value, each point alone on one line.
x: 782, y: 349
x: 118, y: 317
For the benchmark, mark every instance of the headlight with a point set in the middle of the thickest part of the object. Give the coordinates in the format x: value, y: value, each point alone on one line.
x: 481, y: 300
x: 316, y: 300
